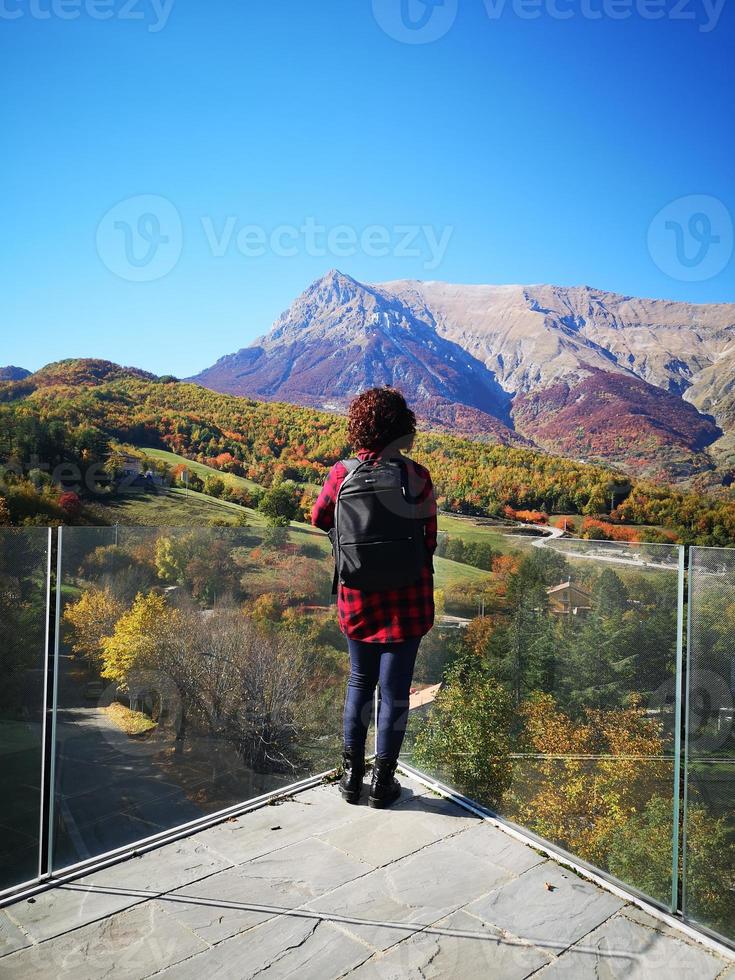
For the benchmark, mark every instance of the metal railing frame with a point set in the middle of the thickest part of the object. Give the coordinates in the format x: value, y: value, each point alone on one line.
x: 48, y: 877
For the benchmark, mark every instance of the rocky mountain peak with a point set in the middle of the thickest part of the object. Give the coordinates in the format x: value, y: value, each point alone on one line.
x: 512, y: 361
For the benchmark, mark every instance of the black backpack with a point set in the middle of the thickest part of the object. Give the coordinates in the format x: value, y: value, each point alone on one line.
x: 378, y: 534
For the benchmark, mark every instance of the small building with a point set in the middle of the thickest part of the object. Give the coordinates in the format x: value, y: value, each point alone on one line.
x: 569, y: 599
x: 452, y: 622
x: 419, y: 697
x: 133, y: 475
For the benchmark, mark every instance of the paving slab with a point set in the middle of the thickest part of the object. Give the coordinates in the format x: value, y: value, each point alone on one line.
x: 287, y: 946
x: 115, y: 888
x: 164, y: 867
x: 282, y: 879
x: 548, y: 906
x: 622, y: 949
x: 314, y: 887
x: 128, y: 946
x: 459, y: 945
x: 216, y: 908
x: 416, y: 890
x: 488, y: 843
x: 651, y: 922
x: 390, y: 834
x: 299, y: 817
x: 68, y: 907
x: 11, y: 937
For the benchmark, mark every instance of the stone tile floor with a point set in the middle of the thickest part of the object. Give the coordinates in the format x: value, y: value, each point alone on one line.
x: 314, y: 888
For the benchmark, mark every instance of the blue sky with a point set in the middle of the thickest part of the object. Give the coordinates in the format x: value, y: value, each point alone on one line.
x: 255, y: 145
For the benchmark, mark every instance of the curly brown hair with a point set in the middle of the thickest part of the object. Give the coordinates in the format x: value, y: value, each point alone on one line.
x: 380, y: 417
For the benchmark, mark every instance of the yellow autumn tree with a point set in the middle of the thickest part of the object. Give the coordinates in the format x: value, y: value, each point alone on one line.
x: 90, y: 619
x: 267, y: 607
x: 439, y: 603
x: 478, y: 633
x: 588, y: 777
x: 170, y: 560
x: 139, y: 637
x: 306, y: 502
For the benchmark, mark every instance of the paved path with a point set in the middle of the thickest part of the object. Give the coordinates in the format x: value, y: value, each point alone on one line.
x: 111, y: 790
x: 593, y: 555
x: 554, y: 532
x: 314, y: 888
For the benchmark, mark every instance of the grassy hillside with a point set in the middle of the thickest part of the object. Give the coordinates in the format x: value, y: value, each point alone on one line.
x: 74, y: 412
x: 201, y: 469
x: 471, y: 530
x: 174, y: 508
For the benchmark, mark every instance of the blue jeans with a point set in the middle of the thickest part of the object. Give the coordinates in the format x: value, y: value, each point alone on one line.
x: 391, y: 665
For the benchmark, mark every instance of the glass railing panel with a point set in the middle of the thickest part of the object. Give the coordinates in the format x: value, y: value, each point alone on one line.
x: 546, y: 692
x: 24, y: 554
x: 198, y: 668
x: 709, y: 818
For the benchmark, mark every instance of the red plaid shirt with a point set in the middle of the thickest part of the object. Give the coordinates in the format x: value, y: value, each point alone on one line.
x: 395, y: 614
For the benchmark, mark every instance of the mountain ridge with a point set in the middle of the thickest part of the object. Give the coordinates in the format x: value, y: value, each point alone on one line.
x: 497, y: 359
x: 12, y: 373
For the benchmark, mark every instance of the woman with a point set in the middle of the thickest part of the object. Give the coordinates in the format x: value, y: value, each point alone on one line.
x: 383, y: 626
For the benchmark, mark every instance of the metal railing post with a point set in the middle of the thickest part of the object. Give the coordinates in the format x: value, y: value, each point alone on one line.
x: 376, y: 703
x: 46, y: 745
x: 678, y: 695
x: 685, y: 693
x: 54, y: 706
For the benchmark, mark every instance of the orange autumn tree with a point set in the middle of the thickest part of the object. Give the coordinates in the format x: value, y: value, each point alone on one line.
x: 504, y: 567
x: 527, y: 516
x: 591, y: 527
x: 478, y: 633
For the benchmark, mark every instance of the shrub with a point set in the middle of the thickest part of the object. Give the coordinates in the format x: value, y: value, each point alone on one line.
x: 280, y: 504
x: 467, y: 733
x: 70, y: 504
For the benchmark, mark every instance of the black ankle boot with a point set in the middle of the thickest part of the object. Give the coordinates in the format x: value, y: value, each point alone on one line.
x: 353, y: 770
x: 384, y: 788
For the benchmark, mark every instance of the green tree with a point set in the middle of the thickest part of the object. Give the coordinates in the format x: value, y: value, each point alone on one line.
x: 467, y: 733
x: 280, y: 504
x: 609, y: 594
x: 530, y: 643
x: 599, y: 663
x: 636, y: 853
x: 455, y: 549
x: 214, y: 486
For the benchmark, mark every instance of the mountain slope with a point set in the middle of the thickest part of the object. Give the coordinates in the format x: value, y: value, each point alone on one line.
x: 534, y: 335
x: 620, y: 419
x: 505, y: 360
x: 340, y: 336
x: 13, y: 373
x: 76, y: 413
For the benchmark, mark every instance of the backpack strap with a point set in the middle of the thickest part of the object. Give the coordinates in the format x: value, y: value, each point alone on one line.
x: 402, y: 464
x: 350, y: 465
